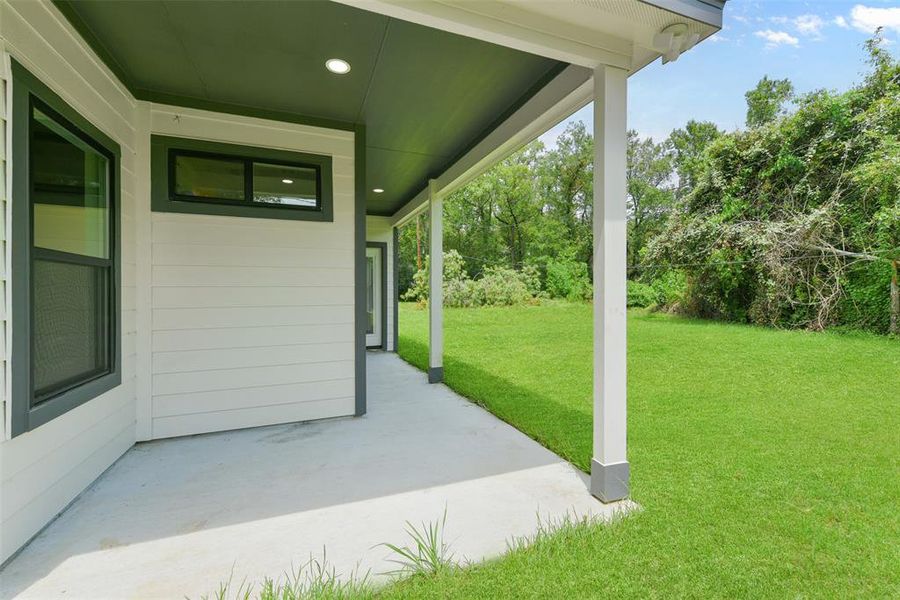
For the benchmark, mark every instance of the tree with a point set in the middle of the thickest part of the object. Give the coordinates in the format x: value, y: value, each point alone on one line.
x: 649, y: 169
x: 766, y: 101
x: 512, y: 188
x: 687, y: 146
x: 567, y: 188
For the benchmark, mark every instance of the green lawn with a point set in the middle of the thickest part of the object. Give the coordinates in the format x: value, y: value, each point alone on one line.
x: 766, y: 461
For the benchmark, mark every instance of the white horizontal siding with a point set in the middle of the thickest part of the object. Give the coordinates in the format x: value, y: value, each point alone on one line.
x: 43, y: 470
x: 234, y: 358
x: 249, y: 256
x: 257, y: 296
x: 249, y: 316
x: 172, y: 228
x: 235, y: 399
x: 260, y: 275
x: 252, y: 319
x: 255, y: 416
x: 250, y: 337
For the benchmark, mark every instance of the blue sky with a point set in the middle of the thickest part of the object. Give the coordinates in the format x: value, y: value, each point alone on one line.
x: 814, y: 44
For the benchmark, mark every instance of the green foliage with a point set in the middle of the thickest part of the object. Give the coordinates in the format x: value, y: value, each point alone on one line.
x: 501, y: 286
x: 670, y: 287
x: 688, y: 148
x: 641, y: 295
x: 868, y: 296
x: 649, y: 195
x: 429, y: 554
x: 766, y: 101
x: 314, y: 580
x: 753, y: 222
x: 497, y: 286
x: 567, y: 278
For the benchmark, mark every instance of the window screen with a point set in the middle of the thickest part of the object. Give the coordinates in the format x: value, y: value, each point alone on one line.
x: 70, y: 328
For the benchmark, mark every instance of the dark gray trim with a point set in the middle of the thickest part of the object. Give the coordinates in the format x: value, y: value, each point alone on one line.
x: 238, y: 109
x: 383, y: 247
x: 395, y: 252
x: 705, y: 11
x: 609, y: 483
x: 359, y: 247
x: 24, y: 417
x: 162, y: 199
x: 435, y: 374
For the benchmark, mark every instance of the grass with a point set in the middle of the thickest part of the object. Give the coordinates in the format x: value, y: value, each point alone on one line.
x: 766, y: 461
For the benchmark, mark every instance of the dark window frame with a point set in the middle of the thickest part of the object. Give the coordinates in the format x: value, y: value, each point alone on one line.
x: 28, y: 411
x: 165, y: 150
x: 383, y: 246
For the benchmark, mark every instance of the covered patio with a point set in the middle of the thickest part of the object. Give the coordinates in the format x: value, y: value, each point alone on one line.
x: 175, y: 518
x: 202, y: 202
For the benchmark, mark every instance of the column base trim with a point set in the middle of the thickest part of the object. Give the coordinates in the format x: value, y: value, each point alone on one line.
x: 435, y: 374
x: 609, y: 483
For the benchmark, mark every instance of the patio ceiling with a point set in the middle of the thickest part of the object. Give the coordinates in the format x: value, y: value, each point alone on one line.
x: 425, y: 96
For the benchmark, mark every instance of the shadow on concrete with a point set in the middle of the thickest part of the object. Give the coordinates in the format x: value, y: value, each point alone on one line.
x: 415, y: 436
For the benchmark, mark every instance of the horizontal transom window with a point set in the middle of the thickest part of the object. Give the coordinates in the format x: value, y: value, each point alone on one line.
x: 217, y: 178
x: 195, y: 176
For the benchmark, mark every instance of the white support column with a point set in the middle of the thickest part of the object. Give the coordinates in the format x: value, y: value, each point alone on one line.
x: 609, y: 467
x: 436, y: 286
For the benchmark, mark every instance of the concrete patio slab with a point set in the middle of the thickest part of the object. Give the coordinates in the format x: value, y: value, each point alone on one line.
x: 175, y: 518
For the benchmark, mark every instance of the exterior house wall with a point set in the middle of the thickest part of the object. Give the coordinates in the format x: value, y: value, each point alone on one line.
x: 252, y: 319
x: 379, y: 229
x: 41, y: 471
x: 226, y: 322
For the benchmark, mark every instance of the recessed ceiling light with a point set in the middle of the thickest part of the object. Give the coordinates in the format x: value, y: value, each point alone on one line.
x: 337, y: 65
x: 378, y: 190
x: 287, y: 181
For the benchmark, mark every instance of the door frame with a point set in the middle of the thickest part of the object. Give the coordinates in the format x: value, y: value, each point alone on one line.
x: 383, y: 247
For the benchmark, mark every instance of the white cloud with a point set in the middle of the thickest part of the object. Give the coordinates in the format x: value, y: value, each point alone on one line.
x: 779, y: 20
x: 810, y: 25
x: 777, y: 38
x: 867, y: 19
x: 841, y: 22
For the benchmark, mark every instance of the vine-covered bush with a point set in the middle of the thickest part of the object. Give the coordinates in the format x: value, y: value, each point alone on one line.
x: 796, y: 223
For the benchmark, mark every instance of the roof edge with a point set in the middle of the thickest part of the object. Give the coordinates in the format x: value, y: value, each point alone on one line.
x: 704, y: 11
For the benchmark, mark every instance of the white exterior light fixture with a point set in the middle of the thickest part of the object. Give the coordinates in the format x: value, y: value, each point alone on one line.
x: 673, y: 40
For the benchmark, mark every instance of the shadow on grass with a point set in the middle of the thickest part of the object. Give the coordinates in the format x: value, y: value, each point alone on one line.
x: 566, y: 432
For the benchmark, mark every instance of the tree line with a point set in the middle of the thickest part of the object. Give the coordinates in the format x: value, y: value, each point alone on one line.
x: 793, y: 221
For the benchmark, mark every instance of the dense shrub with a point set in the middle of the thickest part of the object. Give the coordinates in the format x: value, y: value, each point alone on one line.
x: 670, y: 287
x: 501, y: 286
x: 641, y: 295
x: 568, y: 279
x: 497, y: 286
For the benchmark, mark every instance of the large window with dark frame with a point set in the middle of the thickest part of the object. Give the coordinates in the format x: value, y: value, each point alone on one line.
x: 64, y: 258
